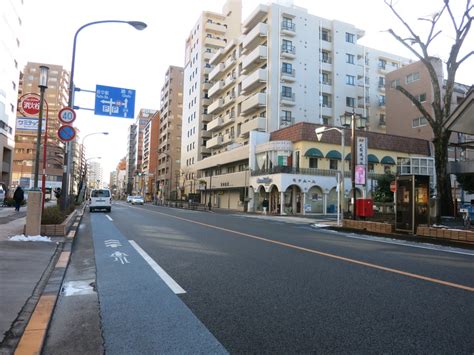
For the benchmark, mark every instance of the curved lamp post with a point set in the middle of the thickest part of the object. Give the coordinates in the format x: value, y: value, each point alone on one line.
x: 138, y: 25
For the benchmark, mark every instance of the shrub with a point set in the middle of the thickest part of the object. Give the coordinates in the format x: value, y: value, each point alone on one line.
x: 53, y: 215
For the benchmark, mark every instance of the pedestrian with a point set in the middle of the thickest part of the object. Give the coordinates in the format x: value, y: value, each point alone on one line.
x: 265, y: 205
x: 18, y: 196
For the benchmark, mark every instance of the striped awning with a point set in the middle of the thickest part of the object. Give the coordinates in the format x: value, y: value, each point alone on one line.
x: 387, y: 160
x: 333, y: 154
x: 314, y: 153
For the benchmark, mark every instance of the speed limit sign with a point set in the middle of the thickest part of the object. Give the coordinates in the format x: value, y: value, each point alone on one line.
x: 67, y: 115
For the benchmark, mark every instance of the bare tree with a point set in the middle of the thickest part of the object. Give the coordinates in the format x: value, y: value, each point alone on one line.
x: 442, y: 91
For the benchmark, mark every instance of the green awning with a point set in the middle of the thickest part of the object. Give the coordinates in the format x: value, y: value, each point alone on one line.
x: 314, y: 153
x: 372, y: 159
x: 348, y: 157
x: 387, y: 160
x: 333, y: 154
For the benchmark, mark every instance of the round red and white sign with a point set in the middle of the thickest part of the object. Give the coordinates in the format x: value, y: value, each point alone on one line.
x: 67, y: 115
x: 29, y: 105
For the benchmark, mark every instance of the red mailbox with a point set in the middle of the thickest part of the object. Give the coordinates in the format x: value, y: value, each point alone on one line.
x: 364, y: 207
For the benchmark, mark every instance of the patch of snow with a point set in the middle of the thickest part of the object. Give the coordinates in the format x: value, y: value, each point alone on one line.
x: 31, y: 238
x: 320, y: 225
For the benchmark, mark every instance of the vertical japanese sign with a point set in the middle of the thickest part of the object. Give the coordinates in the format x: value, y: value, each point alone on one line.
x: 361, y: 165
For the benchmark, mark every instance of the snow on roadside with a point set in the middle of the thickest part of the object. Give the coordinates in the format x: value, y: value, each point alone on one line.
x: 31, y: 238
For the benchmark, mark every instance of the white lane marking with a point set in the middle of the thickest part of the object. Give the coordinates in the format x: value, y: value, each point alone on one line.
x: 78, y: 288
x: 110, y: 218
x: 172, y: 284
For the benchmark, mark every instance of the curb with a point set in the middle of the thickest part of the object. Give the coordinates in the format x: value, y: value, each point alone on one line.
x: 32, y: 340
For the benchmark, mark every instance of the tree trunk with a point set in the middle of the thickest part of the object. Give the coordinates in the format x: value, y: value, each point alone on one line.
x: 443, y: 179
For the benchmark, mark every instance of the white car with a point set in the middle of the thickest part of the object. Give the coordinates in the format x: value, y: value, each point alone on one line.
x: 137, y: 200
x: 100, y: 199
x: 129, y: 198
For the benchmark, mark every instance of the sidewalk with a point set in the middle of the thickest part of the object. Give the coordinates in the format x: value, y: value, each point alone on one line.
x: 22, y: 266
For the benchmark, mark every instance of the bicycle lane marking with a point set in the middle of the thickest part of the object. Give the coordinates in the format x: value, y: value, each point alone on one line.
x: 139, y: 312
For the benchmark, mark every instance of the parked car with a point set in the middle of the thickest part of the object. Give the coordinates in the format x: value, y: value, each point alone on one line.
x: 100, y: 199
x: 129, y: 198
x: 137, y: 200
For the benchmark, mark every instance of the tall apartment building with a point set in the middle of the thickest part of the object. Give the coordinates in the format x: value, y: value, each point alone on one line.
x: 150, y: 155
x: 25, y: 139
x: 135, y: 148
x: 288, y: 66
x: 95, y: 175
x: 211, y: 32
x: 130, y: 157
x: 11, y: 14
x: 169, y: 145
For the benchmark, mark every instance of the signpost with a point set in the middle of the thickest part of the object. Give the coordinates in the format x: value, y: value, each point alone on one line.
x: 114, y: 102
x: 67, y: 115
x: 66, y: 133
x: 29, y: 105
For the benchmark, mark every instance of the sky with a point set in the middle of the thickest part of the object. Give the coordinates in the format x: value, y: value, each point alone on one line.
x: 120, y: 56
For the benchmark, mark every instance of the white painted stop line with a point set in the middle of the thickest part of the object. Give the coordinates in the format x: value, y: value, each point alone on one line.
x: 110, y: 218
x: 172, y: 284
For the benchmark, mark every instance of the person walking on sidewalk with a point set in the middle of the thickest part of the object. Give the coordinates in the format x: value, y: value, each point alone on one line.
x: 18, y: 196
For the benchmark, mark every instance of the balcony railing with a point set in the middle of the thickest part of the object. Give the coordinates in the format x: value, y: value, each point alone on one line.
x: 288, y: 49
x: 288, y: 72
x: 288, y: 26
x: 306, y: 171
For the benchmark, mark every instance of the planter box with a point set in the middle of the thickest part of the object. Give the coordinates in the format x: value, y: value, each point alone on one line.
x: 59, y: 230
x: 470, y: 236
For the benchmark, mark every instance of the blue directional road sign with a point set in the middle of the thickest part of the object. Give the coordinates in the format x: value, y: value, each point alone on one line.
x: 114, y: 102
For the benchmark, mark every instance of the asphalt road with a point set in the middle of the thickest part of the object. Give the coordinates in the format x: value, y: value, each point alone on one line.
x: 261, y: 285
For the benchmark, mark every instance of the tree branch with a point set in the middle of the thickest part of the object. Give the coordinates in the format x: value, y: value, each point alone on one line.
x: 418, y: 104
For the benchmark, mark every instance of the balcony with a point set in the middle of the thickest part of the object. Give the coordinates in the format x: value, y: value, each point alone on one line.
x: 205, y: 134
x: 288, y: 51
x: 288, y: 74
x: 216, y: 88
x: 228, y: 81
x: 216, y: 71
x: 228, y: 100
x: 228, y: 119
x: 215, y: 42
x: 206, y: 117
x: 255, y: 79
x: 217, y: 56
x: 288, y: 28
x: 287, y: 99
x: 215, y: 106
x: 228, y: 138
x: 229, y: 62
x: 257, y: 124
x: 254, y: 37
x: 206, y: 85
x: 254, y: 58
x: 215, y: 124
x: 215, y: 142
x: 254, y: 18
x: 253, y: 103
x: 215, y: 27
x: 205, y: 101
x: 208, y: 55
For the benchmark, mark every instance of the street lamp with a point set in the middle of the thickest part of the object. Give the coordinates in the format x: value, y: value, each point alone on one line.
x: 138, y: 25
x: 352, y: 119
x: 340, y: 183
x: 43, y: 85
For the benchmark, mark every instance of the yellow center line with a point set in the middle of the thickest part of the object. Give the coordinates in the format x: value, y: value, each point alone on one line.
x: 333, y: 256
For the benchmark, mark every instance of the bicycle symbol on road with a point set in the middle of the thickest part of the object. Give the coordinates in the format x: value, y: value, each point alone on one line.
x: 119, y: 256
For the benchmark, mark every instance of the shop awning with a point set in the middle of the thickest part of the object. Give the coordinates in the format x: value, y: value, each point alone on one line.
x: 314, y: 153
x: 333, y: 154
x: 372, y: 159
x: 348, y: 157
x: 387, y: 160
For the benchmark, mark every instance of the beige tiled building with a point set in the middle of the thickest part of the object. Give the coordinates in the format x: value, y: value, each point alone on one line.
x: 25, y: 140
x: 168, y: 155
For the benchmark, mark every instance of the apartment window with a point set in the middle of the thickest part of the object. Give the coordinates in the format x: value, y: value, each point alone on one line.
x: 313, y: 163
x: 395, y: 83
x: 422, y: 97
x: 381, y: 81
x: 325, y: 78
x: 350, y: 58
x: 382, y: 63
x: 287, y: 24
x: 350, y: 37
x: 381, y: 100
x: 286, y: 68
x: 325, y: 100
x: 371, y: 167
x: 419, y: 122
x: 287, y: 46
x: 350, y: 79
x: 350, y: 101
x: 325, y: 35
x: 412, y: 77
x: 325, y: 57
x: 333, y: 164
x: 286, y: 118
x: 286, y: 91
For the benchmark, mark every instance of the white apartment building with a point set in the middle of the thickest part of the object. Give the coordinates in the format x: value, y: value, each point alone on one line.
x: 211, y: 32
x: 95, y: 172
x: 286, y: 67
x: 10, y: 63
